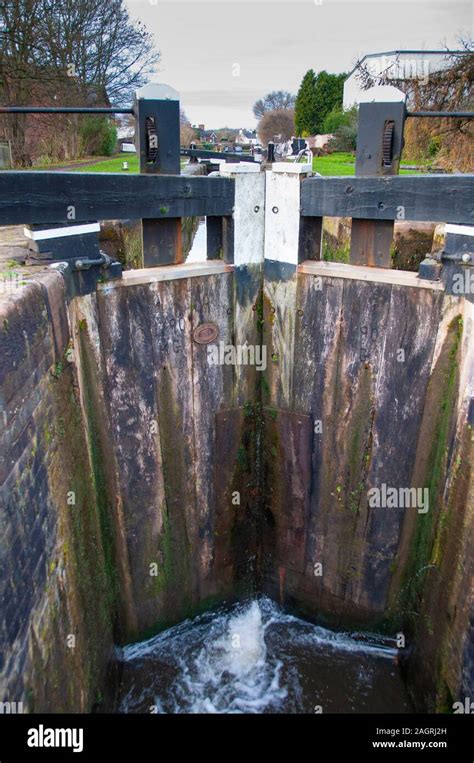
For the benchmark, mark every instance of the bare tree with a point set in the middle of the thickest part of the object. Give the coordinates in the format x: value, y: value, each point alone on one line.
x: 186, y: 135
x: 279, y: 123
x: 274, y: 101
x: 70, y: 52
x: 20, y: 65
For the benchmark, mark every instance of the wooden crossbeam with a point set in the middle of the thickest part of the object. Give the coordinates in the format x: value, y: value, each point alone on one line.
x: 433, y: 198
x: 54, y: 197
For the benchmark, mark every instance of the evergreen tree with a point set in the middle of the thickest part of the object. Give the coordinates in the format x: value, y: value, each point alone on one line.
x: 329, y: 89
x: 305, y: 105
x: 317, y: 97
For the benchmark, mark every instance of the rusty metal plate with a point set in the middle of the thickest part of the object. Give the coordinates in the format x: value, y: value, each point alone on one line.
x: 205, y: 333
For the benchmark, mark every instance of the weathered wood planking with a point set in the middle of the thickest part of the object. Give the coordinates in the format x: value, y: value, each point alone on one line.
x: 287, y: 464
x: 171, y: 357
x: 212, y: 391
x: 347, y: 359
x: 310, y: 238
x: 162, y: 242
x: 347, y: 377
x: 214, y: 238
x: 163, y: 398
x: 412, y: 326
x: 371, y: 242
x: 126, y: 343
x: 279, y: 315
x: 354, y: 401
x: 437, y: 198
x: 39, y: 197
x: 247, y: 329
x: 315, y: 367
x: 237, y: 517
x: 229, y: 513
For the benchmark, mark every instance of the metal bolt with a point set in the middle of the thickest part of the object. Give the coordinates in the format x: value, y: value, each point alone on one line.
x: 466, y: 257
x: 256, y: 208
x: 275, y: 210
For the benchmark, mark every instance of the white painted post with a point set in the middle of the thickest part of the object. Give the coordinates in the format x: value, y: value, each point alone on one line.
x: 282, y: 211
x: 249, y: 212
x: 248, y: 246
x: 283, y: 228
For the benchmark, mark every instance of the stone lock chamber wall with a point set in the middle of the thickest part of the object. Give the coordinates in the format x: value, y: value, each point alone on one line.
x: 140, y: 484
x: 57, y: 607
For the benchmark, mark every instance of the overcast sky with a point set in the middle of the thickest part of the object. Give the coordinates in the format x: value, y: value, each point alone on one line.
x: 222, y: 56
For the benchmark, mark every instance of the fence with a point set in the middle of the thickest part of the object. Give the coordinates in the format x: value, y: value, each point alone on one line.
x: 160, y: 197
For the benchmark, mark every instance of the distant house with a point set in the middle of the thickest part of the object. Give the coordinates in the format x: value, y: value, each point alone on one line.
x: 206, y: 136
x: 395, y: 65
x: 246, y: 138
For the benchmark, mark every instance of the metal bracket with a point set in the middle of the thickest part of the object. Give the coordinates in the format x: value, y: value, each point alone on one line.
x: 81, y: 276
x: 430, y: 268
x: 463, y: 258
x: 456, y: 270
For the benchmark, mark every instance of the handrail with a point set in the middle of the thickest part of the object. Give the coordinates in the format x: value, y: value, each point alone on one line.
x: 442, y: 114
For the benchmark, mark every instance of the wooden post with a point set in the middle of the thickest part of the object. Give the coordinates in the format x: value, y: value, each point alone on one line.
x: 379, y: 148
x: 220, y: 238
x: 156, y: 112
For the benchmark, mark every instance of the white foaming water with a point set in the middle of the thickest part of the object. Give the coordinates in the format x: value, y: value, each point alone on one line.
x: 244, y: 645
x: 231, y: 673
x: 253, y: 659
